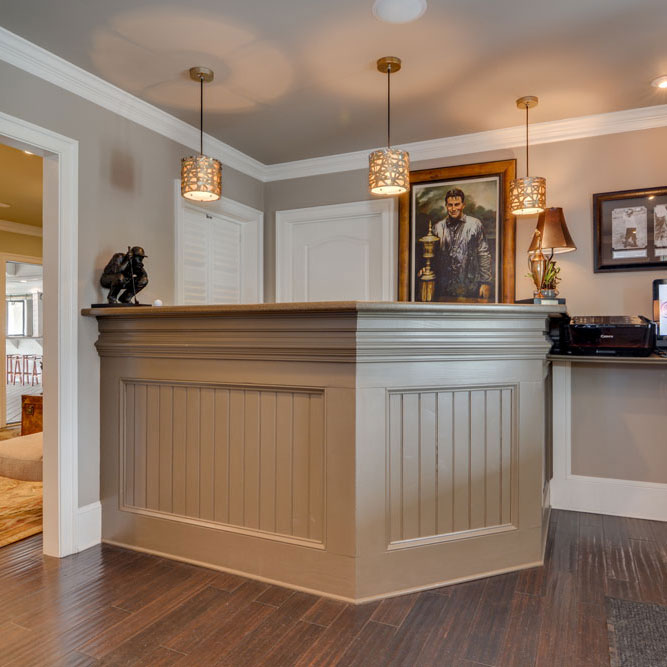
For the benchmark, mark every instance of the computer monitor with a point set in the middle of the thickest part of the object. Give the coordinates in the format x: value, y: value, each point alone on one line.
x: 660, y: 312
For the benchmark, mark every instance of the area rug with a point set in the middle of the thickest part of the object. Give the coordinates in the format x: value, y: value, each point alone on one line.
x: 20, y: 510
x: 637, y: 633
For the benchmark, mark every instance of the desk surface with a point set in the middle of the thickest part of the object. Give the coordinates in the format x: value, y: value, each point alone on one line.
x: 653, y: 360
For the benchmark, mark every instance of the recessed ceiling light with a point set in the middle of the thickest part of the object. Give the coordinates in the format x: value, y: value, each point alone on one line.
x: 28, y: 153
x: 399, y: 11
x: 660, y: 82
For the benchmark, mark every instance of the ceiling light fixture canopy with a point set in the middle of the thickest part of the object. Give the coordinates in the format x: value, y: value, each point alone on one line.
x: 399, y: 11
x: 528, y: 195
x: 389, y: 168
x: 201, y: 176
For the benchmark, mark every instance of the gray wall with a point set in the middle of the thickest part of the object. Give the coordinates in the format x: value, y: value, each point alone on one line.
x: 126, y: 195
x: 574, y: 171
x: 618, y: 421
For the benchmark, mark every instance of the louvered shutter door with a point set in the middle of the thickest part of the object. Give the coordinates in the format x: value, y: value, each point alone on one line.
x: 194, y: 257
x: 225, y: 261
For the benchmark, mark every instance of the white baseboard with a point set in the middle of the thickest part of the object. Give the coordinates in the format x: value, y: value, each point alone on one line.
x: 88, y: 526
x: 619, y: 497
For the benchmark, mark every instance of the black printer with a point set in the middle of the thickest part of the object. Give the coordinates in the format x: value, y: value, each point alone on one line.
x: 603, y: 335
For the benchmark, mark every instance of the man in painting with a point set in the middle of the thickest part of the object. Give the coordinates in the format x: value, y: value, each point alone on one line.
x: 463, y: 265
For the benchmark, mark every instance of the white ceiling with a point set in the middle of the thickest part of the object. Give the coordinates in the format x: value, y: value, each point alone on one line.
x: 297, y: 78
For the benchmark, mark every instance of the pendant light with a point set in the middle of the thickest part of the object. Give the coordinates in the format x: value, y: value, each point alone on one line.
x: 201, y: 176
x: 389, y: 168
x: 528, y: 195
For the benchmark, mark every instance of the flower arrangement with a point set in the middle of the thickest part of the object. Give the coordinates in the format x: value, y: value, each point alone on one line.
x: 551, y: 276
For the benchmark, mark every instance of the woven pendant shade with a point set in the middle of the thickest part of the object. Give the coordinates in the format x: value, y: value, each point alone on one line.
x: 388, y: 168
x: 388, y: 171
x: 201, y: 178
x: 528, y: 195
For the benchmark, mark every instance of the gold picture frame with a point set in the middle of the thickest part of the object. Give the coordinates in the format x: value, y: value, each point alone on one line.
x: 429, y: 184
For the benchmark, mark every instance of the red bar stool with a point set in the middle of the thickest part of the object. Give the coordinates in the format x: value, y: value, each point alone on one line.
x: 18, y: 368
x: 27, y: 358
x: 10, y: 368
x: 36, y: 367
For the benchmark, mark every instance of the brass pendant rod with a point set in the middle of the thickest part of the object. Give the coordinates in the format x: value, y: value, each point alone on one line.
x: 389, y: 106
x: 201, y: 116
x: 526, y: 140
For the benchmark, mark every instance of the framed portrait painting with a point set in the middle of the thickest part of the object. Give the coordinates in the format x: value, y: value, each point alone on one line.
x: 457, y: 235
x: 630, y: 230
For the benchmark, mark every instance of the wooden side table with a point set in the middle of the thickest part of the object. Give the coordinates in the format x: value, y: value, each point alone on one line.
x: 31, y: 414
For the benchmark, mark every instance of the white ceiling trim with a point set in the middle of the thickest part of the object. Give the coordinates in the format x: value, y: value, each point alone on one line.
x: 19, y: 228
x: 42, y: 63
x: 510, y: 137
x: 34, y: 59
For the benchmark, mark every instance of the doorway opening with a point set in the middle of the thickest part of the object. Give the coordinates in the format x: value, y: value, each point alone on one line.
x: 66, y: 528
x: 21, y: 323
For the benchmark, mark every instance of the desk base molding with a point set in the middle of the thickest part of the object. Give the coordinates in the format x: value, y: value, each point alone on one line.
x: 315, y: 591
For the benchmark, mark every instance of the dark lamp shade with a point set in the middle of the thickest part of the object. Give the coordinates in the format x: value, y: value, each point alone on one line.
x: 553, y: 233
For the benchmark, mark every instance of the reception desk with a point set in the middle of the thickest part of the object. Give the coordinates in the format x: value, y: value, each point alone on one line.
x: 357, y: 450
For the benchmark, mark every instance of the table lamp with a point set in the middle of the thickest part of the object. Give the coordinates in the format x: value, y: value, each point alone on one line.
x: 551, y: 237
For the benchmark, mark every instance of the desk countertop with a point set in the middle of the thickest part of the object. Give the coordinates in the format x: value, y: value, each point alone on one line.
x: 386, y: 307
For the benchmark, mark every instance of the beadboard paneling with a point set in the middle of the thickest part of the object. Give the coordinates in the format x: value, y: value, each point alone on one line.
x: 250, y: 458
x: 450, y: 462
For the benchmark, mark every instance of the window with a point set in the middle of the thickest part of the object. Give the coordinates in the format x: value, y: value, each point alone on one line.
x: 16, y: 320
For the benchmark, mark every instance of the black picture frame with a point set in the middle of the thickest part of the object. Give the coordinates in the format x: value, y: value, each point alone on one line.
x: 630, y: 230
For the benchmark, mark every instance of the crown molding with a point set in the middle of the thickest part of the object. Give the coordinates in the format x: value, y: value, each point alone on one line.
x: 35, y: 60
x: 582, y: 127
x: 20, y: 228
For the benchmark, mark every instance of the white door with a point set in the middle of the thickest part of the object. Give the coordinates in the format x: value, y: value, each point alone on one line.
x: 344, y: 252
x: 218, y: 253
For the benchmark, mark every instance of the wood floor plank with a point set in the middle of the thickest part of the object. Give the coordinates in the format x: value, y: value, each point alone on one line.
x: 520, y: 645
x: 186, y: 614
x: 592, y: 643
x: 324, y: 612
x: 557, y: 636
x: 487, y: 632
x: 275, y: 596
x: 651, y: 571
x: 107, y: 641
x: 46, y: 649
x: 563, y: 557
x: 590, y: 572
x: 448, y: 641
x: 270, y: 633
x: 393, y: 611
x: 292, y: 646
x: 333, y: 643
x: 188, y: 638
x: 230, y: 633
x: 422, y: 621
x: 370, y: 646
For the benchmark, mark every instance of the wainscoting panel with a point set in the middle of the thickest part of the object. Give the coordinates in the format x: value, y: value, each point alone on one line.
x: 240, y: 457
x: 450, y: 463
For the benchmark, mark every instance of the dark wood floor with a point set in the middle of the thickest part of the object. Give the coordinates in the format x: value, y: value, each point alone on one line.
x: 111, y: 606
